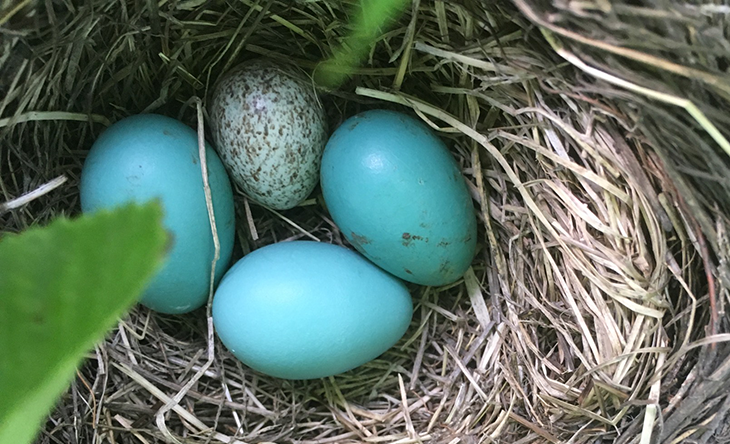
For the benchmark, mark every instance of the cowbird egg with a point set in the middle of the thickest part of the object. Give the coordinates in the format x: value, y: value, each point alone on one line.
x: 270, y: 130
x: 399, y: 197
x: 149, y: 156
x: 305, y: 310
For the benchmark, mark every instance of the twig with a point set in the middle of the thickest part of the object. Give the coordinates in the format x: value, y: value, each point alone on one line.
x: 174, y: 401
x: 638, y: 56
x: 688, y: 106
x: 177, y: 408
x: 128, y: 425
x: 406, y: 412
x: 38, y: 116
x: 540, y: 431
x: 35, y: 194
x: 654, y: 392
x: 17, y: 8
x: 705, y: 255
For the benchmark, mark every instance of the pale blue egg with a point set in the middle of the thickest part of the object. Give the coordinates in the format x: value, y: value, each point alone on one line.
x: 399, y: 197
x: 149, y: 156
x: 306, y: 310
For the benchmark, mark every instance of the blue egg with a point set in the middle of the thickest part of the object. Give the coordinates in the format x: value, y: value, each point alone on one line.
x: 306, y: 310
x: 149, y: 156
x: 399, y: 197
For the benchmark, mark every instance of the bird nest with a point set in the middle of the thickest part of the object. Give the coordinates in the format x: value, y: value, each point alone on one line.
x: 593, y: 136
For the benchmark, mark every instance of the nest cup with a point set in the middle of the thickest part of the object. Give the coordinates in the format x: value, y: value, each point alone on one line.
x: 593, y: 137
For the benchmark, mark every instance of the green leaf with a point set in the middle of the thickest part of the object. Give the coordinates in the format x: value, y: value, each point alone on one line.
x: 62, y: 288
x: 367, y: 25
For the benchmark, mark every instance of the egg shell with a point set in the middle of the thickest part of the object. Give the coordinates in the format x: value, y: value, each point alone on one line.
x: 150, y: 156
x: 270, y: 130
x: 306, y: 310
x: 398, y: 195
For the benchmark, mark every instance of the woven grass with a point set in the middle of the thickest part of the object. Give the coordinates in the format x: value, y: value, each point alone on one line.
x: 594, y: 139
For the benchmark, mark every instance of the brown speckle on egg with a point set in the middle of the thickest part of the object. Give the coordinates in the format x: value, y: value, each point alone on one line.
x: 270, y: 130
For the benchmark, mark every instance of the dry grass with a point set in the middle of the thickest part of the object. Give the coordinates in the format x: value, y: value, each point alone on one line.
x: 599, y: 289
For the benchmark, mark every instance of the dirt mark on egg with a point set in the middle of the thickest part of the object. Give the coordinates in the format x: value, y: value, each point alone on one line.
x: 358, y: 240
x: 445, y: 267
x: 409, y: 239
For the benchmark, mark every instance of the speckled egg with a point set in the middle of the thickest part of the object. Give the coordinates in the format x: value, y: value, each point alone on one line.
x: 150, y: 156
x: 270, y: 130
x: 398, y: 195
x: 306, y: 310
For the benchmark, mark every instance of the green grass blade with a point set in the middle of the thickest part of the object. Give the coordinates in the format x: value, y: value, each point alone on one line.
x: 368, y: 24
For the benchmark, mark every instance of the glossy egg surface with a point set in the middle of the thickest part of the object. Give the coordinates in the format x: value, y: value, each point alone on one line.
x: 150, y: 156
x: 305, y: 310
x: 398, y: 195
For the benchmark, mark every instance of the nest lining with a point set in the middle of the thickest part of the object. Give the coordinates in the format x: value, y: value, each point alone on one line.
x: 598, y: 289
